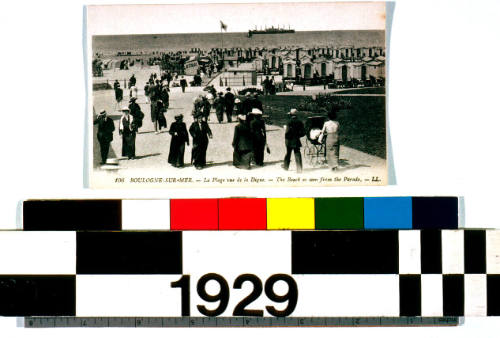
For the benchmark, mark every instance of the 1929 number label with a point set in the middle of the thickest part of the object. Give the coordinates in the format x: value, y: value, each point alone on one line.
x: 241, y: 309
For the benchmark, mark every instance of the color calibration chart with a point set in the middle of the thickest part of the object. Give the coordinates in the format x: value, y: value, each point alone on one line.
x: 248, y: 262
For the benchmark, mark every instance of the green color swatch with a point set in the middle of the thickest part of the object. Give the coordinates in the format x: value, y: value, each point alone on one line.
x: 339, y: 213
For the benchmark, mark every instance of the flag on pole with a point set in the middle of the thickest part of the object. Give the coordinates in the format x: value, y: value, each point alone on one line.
x: 223, y: 26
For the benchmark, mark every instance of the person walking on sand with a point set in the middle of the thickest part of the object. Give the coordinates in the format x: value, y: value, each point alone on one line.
x: 105, y: 128
x: 219, y: 107
x: 132, y: 81
x: 200, y: 132
x: 294, y: 130
x: 258, y: 129
x: 178, y: 142
x: 183, y: 84
x: 331, y: 132
x: 127, y: 131
x: 229, y: 104
x: 242, y: 144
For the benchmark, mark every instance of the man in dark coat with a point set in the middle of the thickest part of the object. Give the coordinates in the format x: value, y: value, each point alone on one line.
x: 258, y: 128
x: 293, y: 132
x: 132, y: 81
x: 229, y: 102
x: 183, y: 84
x: 177, y: 144
x: 219, y: 104
x: 169, y: 78
x: 200, y: 132
x: 164, y: 96
x: 105, y: 128
x: 206, y: 108
x: 242, y: 144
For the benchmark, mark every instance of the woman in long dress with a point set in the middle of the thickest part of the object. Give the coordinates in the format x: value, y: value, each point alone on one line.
x: 128, y: 131
x: 180, y: 137
x: 258, y: 128
x: 331, y: 132
x: 200, y: 132
x: 242, y: 144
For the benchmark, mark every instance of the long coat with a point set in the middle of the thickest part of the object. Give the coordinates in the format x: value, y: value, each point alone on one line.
x: 243, y: 146
x: 200, y: 142
x: 294, y: 131
x: 180, y: 137
x: 128, y: 131
x: 105, y: 128
x: 258, y: 128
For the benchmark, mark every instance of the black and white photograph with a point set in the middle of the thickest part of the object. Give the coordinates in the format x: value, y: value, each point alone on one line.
x: 238, y: 94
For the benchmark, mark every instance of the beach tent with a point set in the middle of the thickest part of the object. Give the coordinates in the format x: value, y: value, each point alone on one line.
x: 356, y: 70
x: 341, y: 71
x: 323, y: 66
x: 289, y: 68
x: 375, y: 69
x: 258, y: 63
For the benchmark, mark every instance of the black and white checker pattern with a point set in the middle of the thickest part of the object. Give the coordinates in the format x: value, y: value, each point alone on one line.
x: 338, y: 273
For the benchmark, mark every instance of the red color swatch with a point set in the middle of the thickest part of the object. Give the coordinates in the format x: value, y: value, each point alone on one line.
x: 242, y: 214
x: 194, y: 214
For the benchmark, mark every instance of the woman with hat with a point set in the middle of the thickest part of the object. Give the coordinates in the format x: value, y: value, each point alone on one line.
x: 127, y: 131
x: 180, y: 137
x: 258, y: 129
x: 242, y: 144
x: 200, y: 132
x: 331, y: 131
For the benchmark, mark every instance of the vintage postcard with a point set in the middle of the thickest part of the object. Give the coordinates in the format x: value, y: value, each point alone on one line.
x: 210, y: 95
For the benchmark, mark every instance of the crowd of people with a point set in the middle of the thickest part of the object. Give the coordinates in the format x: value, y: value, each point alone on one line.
x: 249, y: 139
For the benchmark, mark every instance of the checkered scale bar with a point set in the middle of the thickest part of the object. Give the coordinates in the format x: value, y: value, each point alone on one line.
x: 349, y: 213
x: 357, y: 273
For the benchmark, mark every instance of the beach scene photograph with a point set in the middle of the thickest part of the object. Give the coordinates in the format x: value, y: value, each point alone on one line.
x: 237, y: 95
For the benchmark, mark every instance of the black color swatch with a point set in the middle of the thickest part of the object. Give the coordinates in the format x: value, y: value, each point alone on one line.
x: 453, y: 295
x: 430, y: 251
x: 410, y: 295
x: 475, y: 251
x: 72, y: 215
x: 345, y: 252
x: 129, y: 252
x: 37, y: 295
x: 493, y: 295
x: 435, y: 212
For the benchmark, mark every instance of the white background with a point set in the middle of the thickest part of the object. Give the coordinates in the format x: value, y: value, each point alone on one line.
x: 443, y: 113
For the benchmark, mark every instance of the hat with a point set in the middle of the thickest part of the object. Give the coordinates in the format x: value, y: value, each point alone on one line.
x: 242, y: 117
x: 103, y: 111
x: 256, y: 111
x: 237, y: 100
x: 292, y: 111
x: 228, y: 89
x: 178, y: 117
x: 248, y: 94
x: 133, y: 98
x: 125, y: 108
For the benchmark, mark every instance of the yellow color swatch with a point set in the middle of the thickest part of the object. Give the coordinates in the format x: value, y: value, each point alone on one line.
x: 290, y: 213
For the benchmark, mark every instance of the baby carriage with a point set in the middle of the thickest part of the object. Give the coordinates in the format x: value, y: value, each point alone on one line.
x: 315, y: 149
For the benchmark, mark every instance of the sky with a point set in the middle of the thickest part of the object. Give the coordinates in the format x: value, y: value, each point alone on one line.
x: 205, y: 18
